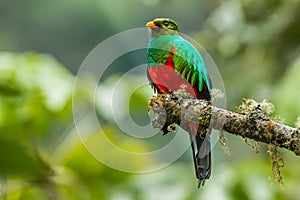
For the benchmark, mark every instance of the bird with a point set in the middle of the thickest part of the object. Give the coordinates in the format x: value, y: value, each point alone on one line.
x: 173, y: 62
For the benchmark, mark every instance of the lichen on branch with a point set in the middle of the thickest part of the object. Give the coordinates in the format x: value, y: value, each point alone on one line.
x: 251, y: 120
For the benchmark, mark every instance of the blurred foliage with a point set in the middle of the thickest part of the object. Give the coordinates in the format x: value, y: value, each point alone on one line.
x: 285, y: 96
x: 254, y: 44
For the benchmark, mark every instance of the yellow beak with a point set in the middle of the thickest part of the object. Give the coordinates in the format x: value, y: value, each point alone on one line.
x: 151, y: 25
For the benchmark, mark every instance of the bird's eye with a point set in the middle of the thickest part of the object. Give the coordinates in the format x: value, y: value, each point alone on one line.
x: 166, y: 23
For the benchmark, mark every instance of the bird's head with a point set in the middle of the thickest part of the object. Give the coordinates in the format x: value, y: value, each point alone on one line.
x: 163, y: 26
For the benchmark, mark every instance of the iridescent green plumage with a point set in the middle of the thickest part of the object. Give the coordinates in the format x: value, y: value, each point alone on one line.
x: 173, y: 62
x: 187, y: 60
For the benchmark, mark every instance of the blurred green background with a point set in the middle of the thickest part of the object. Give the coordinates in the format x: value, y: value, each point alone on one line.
x: 255, y: 45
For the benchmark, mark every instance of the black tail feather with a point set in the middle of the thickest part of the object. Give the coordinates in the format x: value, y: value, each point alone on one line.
x: 202, y: 157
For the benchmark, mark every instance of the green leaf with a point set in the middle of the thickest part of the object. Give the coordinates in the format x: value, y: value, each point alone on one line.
x: 8, y: 90
x: 17, y: 161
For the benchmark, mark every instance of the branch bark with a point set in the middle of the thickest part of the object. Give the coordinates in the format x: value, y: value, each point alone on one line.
x: 254, y: 123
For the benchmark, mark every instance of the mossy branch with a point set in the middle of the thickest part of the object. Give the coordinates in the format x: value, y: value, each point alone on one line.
x: 250, y: 121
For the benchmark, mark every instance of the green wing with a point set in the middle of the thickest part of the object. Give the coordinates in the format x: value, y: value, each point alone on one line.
x: 190, y: 64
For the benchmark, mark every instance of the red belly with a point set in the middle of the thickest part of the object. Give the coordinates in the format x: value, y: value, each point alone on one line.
x: 165, y: 78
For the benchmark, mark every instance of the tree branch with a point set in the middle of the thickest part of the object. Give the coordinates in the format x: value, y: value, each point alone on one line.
x: 252, y: 121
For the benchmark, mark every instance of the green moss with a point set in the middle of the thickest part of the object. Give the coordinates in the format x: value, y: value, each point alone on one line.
x: 249, y: 105
x: 277, y: 163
